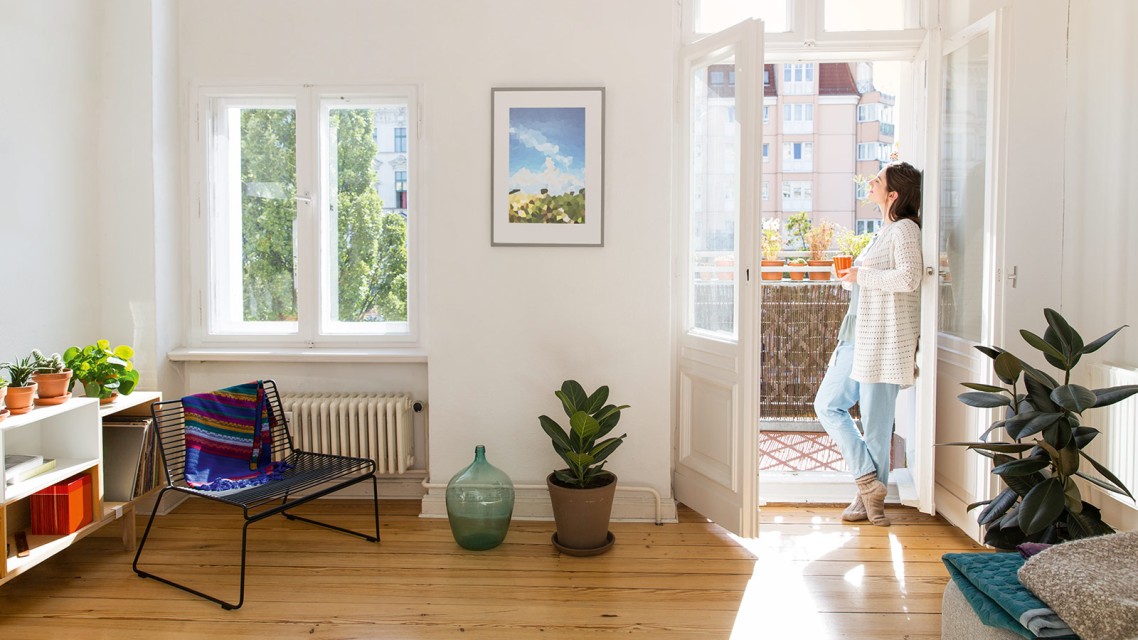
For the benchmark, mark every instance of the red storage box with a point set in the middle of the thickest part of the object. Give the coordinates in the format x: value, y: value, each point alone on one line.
x: 62, y: 508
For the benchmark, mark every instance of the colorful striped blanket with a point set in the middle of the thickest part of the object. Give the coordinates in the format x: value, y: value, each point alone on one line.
x: 229, y: 438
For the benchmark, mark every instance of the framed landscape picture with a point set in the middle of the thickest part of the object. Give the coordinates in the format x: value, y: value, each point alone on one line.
x: 547, y: 166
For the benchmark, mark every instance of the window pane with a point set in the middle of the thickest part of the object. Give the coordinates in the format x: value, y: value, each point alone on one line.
x: 252, y: 219
x: 716, y: 15
x: 714, y: 183
x: 963, y: 152
x: 365, y: 286
x: 865, y: 15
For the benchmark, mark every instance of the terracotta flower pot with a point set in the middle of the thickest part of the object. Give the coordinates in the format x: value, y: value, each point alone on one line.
x: 582, y: 517
x: 52, y: 385
x: 109, y: 399
x: 19, y: 399
x: 820, y: 275
x: 797, y: 275
x: 772, y: 275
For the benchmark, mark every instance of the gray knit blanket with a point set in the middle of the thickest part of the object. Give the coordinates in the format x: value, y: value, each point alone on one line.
x: 1091, y: 583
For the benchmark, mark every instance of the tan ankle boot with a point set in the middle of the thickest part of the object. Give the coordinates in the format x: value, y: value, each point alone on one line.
x: 872, y: 493
x: 856, y: 511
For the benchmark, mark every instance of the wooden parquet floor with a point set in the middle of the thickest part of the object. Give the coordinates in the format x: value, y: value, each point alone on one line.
x: 806, y: 576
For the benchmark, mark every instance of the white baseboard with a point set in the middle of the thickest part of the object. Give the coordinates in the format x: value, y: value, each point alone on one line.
x: 533, y: 504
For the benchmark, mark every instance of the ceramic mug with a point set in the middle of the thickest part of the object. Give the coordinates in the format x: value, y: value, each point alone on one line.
x: 842, y: 264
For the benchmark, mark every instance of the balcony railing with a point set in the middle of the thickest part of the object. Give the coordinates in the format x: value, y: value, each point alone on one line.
x: 799, y: 331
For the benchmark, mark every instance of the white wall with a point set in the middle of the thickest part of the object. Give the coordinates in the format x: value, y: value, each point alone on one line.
x: 48, y: 174
x: 1100, y: 252
x: 505, y: 325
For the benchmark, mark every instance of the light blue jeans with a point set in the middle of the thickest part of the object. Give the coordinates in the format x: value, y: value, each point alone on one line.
x: 866, y: 453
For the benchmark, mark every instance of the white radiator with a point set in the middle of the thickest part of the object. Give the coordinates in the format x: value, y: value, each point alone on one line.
x: 380, y: 427
x: 1117, y: 446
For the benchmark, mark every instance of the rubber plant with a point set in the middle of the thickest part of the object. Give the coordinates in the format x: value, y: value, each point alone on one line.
x: 1043, y: 452
x: 590, y: 419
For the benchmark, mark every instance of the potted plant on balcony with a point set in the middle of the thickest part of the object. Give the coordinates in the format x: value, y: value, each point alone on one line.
x: 770, y: 245
x: 21, y: 386
x: 798, y: 225
x: 818, y: 239
x: 1045, y: 443
x: 52, y: 378
x: 582, y: 494
x: 797, y: 262
x: 104, y: 372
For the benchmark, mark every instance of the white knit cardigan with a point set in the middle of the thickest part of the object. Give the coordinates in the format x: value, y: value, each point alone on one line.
x: 889, y: 306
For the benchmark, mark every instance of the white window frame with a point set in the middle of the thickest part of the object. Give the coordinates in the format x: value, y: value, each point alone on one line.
x: 798, y: 117
x: 310, y: 228
x: 766, y: 152
x: 801, y: 164
x: 797, y: 195
x: 798, y: 79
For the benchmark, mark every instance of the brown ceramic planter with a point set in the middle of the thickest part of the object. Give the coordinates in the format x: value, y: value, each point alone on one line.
x: 19, y: 399
x: 582, y: 517
x: 52, y: 385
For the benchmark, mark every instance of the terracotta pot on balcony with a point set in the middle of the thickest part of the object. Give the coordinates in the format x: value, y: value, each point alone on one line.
x: 820, y: 275
x: 797, y: 275
x: 772, y: 275
x: 725, y: 261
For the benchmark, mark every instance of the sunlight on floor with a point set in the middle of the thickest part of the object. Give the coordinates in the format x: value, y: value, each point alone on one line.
x: 778, y: 602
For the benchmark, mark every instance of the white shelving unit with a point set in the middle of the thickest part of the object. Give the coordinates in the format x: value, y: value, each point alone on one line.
x: 72, y: 433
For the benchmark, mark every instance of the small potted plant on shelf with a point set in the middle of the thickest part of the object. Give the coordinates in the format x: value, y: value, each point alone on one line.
x: 770, y: 245
x: 104, y: 372
x: 1046, y: 442
x: 818, y: 239
x: 21, y: 386
x: 52, y: 378
x: 582, y: 494
x: 797, y: 262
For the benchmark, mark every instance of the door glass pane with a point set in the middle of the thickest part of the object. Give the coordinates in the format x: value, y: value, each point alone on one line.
x: 253, y: 214
x: 962, y: 204
x: 367, y: 187
x: 865, y: 15
x: 714, y: 180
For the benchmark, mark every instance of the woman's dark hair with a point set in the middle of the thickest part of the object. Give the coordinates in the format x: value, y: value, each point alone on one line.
x: 904, y: 178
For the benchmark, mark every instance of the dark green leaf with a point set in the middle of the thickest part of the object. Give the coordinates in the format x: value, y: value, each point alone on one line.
x: 1022, y: 425
x: 555, y: 432
x: 1023, y: 484
x: 1059, y: 434
x: 1073, y: 397
x: 1067, y: 336
x: 998, y: 507
x: 1007, y: 368
x: 1051, y: 338
x: 1086, y: 524
x: 1084, y: 435
x: 1045, y: 347
x: 984, y: 400
x: 1106, y: 397
x: 584, y: 428
x: 1097, y: 344
x: 573, y: 396
x: 603, y: 449
x: 1003, y: 538
x: 977, y: 504
x: 1023, y: 467
x: 991, y: 352
x: 1106, y: 473
x: 1069, y: 458
x: 984, y: 387
x: 1041, y: 506
x: 596, y: 401
x: 1071, y: 496
x: 1040, y: 395
x: 1042, y: 376
x: 995, y: 425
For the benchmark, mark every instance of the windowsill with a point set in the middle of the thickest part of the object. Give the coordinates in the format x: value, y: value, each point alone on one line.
x: 294, y: 354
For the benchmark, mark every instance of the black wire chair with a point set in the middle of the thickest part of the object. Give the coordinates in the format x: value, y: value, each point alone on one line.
x: 320, y: 472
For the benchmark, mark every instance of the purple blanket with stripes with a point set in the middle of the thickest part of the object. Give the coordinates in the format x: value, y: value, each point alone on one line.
x: 229, y: 438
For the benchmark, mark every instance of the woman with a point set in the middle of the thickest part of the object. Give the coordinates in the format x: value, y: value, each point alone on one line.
x: 877, y: 341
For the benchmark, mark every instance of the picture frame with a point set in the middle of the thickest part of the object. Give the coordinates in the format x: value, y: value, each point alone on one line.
x: 547, y: 167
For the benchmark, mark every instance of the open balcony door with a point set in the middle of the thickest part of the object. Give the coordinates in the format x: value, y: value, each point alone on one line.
x: 968, y: 153
x: 717, y: 275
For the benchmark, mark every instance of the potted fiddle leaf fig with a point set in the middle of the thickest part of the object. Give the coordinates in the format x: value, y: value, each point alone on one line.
x: 104, y: 372
x: 582, y: 493
x: 1043, y: 451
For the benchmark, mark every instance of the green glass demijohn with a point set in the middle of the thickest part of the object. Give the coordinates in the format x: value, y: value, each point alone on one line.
x: 480, y: 502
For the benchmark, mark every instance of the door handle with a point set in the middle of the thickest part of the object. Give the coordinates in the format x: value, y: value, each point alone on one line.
x: 1013, y: 276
